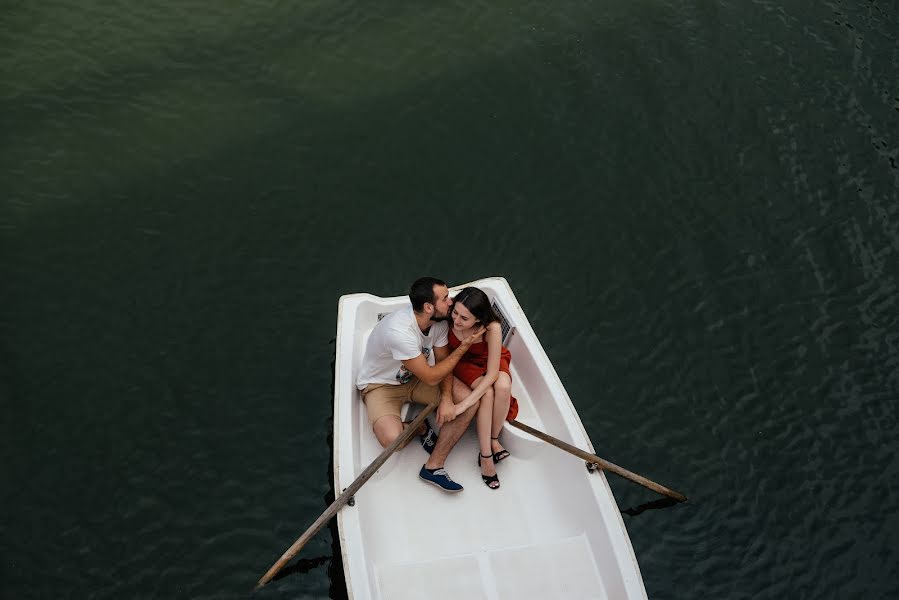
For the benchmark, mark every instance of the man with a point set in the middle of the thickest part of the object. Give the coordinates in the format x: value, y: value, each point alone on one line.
x: 406, y: 357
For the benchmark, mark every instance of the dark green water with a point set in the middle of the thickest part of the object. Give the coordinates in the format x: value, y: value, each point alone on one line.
x: 696, y: 203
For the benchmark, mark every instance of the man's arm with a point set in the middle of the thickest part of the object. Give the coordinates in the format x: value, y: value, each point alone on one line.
x: 446, y: 410
x: 433, y: 375
x: 446, y: 384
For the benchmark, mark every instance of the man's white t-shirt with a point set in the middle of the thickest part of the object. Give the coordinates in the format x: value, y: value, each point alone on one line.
x: 394, y: 339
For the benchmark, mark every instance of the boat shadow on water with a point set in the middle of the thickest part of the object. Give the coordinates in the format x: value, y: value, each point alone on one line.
x: 337, y: 583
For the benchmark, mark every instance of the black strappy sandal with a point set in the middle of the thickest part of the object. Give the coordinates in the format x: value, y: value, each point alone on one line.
x: 488, y: 479
x: 501, y: 455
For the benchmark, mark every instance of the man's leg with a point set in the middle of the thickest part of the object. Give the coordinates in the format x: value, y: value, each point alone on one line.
x: 384, y: 404
x: 451, y: 432
x: 389, y: 427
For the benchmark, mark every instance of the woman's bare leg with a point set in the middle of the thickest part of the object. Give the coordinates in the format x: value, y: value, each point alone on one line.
x: 502, y: 398
x: 484, y: 425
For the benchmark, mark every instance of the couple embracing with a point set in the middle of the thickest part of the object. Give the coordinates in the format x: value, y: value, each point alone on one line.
x: 445, y: 350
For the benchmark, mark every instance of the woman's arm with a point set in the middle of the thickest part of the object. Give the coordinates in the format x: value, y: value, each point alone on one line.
x: 494, y: 350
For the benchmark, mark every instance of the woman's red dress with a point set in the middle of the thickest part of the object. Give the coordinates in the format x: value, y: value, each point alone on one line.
x: 474, y: 365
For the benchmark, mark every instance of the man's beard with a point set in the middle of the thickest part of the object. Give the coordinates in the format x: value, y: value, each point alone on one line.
x: 437, y: 319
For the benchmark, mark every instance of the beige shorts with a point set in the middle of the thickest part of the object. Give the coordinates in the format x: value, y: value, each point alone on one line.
x: 382, y: 399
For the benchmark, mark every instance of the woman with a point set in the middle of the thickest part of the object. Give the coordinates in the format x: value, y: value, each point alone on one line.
x: 484, y: 369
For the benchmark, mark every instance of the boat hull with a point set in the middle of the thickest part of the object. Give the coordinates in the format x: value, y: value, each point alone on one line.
x: 552, y: 530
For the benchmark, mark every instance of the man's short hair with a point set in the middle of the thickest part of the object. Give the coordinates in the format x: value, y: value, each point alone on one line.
x: 423, y: 291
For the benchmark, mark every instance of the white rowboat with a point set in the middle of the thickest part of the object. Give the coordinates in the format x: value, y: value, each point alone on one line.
x: 552, y: 530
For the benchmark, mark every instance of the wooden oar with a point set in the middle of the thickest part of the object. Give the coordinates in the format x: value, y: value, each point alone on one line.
x: 592, y: 458
x: 341, y: 500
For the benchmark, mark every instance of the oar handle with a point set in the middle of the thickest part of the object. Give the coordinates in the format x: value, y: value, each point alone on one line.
x: 661, y: 489
x: 341, y: 500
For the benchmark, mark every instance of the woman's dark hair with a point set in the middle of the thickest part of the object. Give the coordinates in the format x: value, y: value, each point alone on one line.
x: 422, y: 291
x: 477, y: 302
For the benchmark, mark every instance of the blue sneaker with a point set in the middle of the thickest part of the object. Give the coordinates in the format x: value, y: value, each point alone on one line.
x: 440, y: 478
x: 429, y: 439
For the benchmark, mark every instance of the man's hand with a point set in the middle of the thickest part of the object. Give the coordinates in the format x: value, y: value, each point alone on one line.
x: 446, y: 410
x: 475, y: 337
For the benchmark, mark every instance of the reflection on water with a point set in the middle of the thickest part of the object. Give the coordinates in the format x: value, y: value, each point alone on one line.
x: 654, y: 505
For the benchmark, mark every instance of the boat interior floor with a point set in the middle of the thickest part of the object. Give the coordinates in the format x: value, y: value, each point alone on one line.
x: 520, y: 541
x: 540, y: 571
